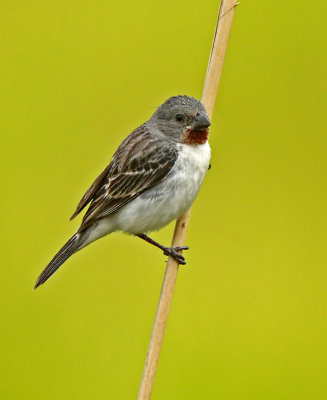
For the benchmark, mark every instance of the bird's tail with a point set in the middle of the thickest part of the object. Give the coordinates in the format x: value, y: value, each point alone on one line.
x: 63, y: 254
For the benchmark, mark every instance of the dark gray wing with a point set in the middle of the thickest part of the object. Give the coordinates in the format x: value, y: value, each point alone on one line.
x: 91, y: 191
x: 141, y: 162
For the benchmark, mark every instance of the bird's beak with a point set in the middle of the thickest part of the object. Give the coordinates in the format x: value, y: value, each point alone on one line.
x: 201, y: 122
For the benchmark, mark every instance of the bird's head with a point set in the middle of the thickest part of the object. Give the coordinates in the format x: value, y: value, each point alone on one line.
x: 182, y: 119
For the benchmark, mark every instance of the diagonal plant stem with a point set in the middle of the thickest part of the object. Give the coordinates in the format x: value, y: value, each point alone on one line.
x: 215, y: 66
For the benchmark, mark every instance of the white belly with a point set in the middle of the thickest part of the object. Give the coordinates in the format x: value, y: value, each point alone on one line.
x: 158, y: 206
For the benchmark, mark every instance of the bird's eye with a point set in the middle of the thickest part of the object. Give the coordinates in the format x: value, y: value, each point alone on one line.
x: 179, y: 117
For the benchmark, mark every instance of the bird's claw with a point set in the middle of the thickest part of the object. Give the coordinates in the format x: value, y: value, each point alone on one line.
x: 173, y: 252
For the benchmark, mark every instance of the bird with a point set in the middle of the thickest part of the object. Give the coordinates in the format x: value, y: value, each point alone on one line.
x: 151, y: 180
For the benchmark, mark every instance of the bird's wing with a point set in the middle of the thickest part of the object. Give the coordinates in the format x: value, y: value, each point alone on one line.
x: 141, y: 162
x: 91, y: 191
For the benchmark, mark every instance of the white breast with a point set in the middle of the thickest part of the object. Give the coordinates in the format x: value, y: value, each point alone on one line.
x: 167, y: 201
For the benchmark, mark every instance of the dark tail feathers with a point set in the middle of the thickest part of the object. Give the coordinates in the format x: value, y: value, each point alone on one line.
x: 63, y: 254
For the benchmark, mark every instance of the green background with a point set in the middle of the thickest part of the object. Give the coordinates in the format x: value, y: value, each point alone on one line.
x: 248, y: 319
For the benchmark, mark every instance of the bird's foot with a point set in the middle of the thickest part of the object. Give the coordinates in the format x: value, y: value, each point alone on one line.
x: 174, y: 252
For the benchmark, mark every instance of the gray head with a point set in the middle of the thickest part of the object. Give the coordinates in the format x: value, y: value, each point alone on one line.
x: 182, y: 116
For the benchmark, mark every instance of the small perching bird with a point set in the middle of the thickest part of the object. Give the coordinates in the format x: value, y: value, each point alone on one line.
x: 152, y: 179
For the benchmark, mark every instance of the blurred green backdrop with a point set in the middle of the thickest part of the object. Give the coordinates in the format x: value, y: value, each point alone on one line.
x: 248, y: 319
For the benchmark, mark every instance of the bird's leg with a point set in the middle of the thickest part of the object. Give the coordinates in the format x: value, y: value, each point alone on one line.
x: 168, y: 251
